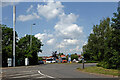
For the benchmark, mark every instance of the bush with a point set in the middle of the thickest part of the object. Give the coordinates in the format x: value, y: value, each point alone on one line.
x: 91, y: 61
x: 80, y: 61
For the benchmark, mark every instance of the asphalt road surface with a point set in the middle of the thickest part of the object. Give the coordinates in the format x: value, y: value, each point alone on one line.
x: 47, y: 71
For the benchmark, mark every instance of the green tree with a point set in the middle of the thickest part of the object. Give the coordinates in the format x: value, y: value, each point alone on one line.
x: 74, y: 56
x: 40, y: 58
x: 7, y: 43
x: 114, y: 39
x: 94, y: 50
x: 104, y: 43
x: 30, y: 52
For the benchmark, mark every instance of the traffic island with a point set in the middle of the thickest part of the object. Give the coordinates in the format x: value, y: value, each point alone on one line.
x: 100, y: 71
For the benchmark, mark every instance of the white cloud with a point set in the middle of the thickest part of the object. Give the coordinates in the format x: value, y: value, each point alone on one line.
x: 67, y: 35
x: 76, y: 49
x: 70, y: 41
x: 28, y: 17
x: 85, y: 43
x: 43, y: 36
x: 67, y: 43
x: 51, y: 41
x: 28, y: 10
x: 67, y: 27
x: 50, y: 10
x: 91, y: 31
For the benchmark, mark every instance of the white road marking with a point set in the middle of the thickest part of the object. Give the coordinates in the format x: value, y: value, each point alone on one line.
x: 19, y: 74
x: 43, y: 75
x: 26, y: 76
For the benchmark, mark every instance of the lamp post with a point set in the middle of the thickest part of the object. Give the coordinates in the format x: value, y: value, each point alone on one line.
x: 31, y: 36
x: 26, y: 59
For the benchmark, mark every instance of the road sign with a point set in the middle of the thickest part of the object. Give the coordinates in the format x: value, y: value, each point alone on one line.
x: 9, y: 62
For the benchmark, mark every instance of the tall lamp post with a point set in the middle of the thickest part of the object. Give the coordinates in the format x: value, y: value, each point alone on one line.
x: 26, y: 59
x: 31, y: 36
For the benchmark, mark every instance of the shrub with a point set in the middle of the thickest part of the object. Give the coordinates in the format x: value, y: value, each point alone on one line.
x: 80, y: 61
x: 91, y: 61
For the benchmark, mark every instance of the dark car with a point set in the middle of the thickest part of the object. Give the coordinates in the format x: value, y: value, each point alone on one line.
x: 41, y: 62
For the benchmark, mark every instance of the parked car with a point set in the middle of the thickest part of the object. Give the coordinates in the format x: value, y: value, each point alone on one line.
x: 40, y: 62
x: 53, y: 61
x: 63, y: 59
x: 49, y: 60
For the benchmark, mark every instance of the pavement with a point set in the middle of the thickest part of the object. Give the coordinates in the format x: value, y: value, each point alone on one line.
x: 47, y: 71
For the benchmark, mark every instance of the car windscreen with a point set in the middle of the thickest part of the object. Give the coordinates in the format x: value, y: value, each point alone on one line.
x: 63, y: 58
x: 49, y: 59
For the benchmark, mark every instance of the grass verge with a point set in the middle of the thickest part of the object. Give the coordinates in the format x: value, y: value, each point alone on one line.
x: 100, y: 70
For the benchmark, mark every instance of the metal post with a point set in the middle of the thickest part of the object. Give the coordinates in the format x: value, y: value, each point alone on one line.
x: 14, y: 17
x: 31, y: 38
x: 83, y: 62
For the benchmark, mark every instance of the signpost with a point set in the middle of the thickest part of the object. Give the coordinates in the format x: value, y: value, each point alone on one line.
x: 69, y: 57
x: 26, y: 61
x: 9, y: 61
x: 83, y: 62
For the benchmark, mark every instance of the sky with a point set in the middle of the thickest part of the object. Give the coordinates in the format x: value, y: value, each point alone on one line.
x: 61, y: 26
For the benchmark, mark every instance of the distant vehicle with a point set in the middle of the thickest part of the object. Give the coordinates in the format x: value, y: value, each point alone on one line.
x: 40, y: 62
x: 44, y: 60
x: 53, y: 61
x: 63, y: 59
x: 50, y: 60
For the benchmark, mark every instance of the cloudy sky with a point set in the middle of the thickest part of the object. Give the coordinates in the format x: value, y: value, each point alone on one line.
x: 61, y: 26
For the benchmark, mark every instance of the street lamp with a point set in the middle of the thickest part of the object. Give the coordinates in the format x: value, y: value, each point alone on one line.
x: 26, y: 59
x: 31, y: 35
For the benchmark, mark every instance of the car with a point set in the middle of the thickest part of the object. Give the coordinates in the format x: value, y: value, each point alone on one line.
x: 53, y: 61
x: 49, y: 60
x: 40, y: 62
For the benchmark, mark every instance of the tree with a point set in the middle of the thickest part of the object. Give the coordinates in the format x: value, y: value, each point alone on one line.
x: 7, y: 43
x: 94, y: 50
x: 104, y: 43
x: 54, y: 54
x: 114, y: 55
x: 60, y: 54
x: 30, y: 52
x: 74, y: 56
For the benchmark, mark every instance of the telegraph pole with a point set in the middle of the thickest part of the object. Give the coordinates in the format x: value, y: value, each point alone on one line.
x: 14, y: 21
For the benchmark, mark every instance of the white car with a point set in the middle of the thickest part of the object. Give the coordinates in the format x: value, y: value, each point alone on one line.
x: 50, y: 60
x: 53, y: 61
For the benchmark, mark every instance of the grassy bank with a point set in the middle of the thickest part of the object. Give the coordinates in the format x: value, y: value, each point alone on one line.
x: 100, y: 70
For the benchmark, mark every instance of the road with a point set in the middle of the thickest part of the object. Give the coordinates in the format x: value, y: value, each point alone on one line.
x: 48, y: 71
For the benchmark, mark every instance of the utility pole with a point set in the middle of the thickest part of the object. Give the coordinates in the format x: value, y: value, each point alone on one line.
x: 14, y: 21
